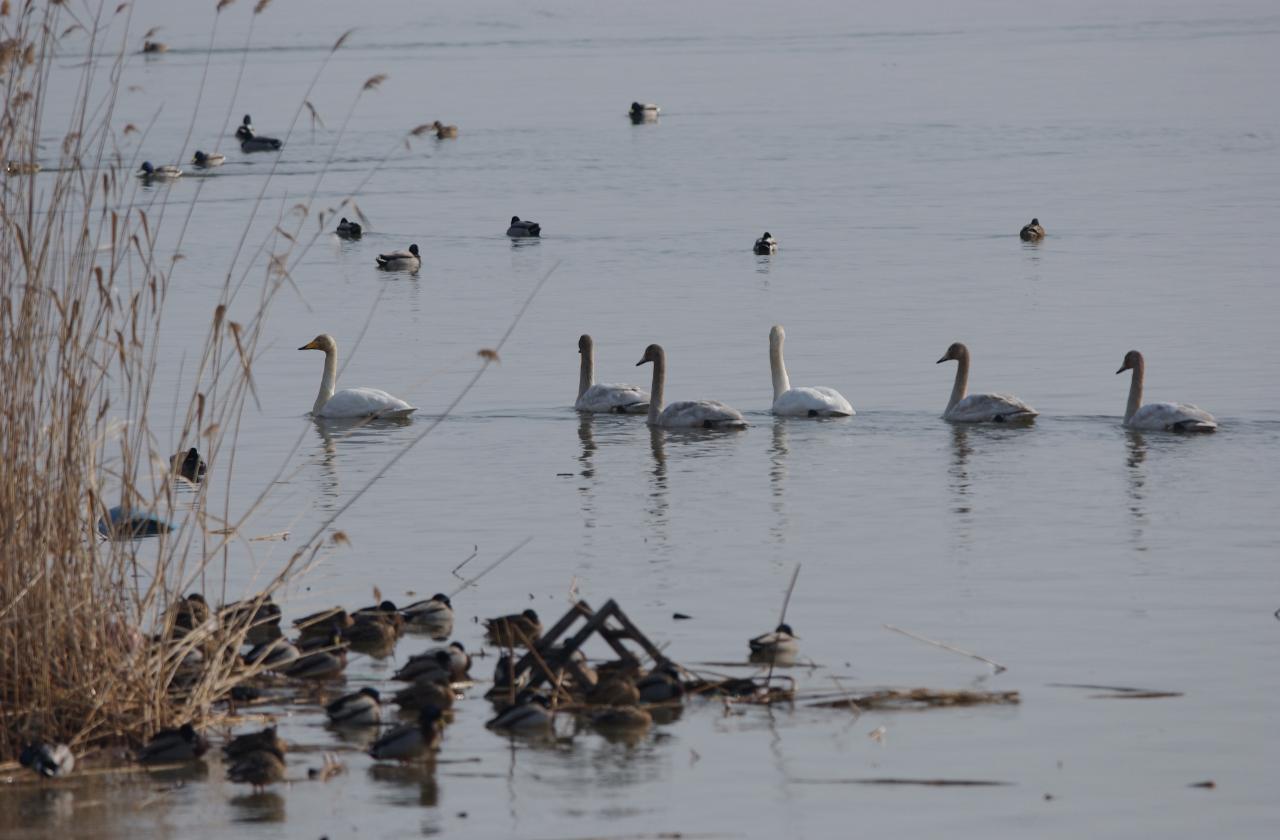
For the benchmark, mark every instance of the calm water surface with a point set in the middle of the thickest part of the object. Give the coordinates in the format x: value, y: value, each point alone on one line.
x: 894, y: 153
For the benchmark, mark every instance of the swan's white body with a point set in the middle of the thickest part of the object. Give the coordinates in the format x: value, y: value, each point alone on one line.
x: 1160, y: 417
x: 350, y: 402
x: 687, y: 414
x: 605, y: 398
x: 805, y: 401
x: 980, y: 408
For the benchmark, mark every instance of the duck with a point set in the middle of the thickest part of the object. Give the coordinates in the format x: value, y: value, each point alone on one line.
x: 429, y: 689
x: 804, y: 401
x: 384, y: 611
x: 350, y: 403
x: 1159, y: 417
x: 435, y: 613
x: 261, y: 614
x: 514, y: 630
x: 444, y: 132
x: 643, y: 112
x: 766, y: 245
x: 621, y: 718
x: 617, y: 689
x: 1031, y: 232
x: 371, y: 632
x: 275, y: 655
x: 407, y: 743
x: 530, y: 713
x: 21, y: 167
x: 261, y: 144
x: 164, y: 172
x: 48, y: 760
x: 603, y: 398
x: 153, y: 47
x: 521, y: 228
x: 439, y: 662
x: 980, y: 408
x: 208, y: 160
x: 167, y: 745
x: 321, y: 659
x: 244, y: 131
x: 661, y: 685
x: 781, y: 642
x: 188, y: 613
x: 361, y: 708
x: 349, y: 230
x: 399, y: 260
x: 264, y: 739
x: 686, y: 414
x: 189, y: 465
x: 258, y: 768
x: 322, y: 624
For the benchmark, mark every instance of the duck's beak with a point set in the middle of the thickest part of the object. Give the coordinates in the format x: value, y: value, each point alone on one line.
x: 310, y: 345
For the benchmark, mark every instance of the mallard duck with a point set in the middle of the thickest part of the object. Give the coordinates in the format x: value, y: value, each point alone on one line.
x: 21, y: 167
x: 370, y: 632
x: 153, y: 47
x: 531, y: 712
x: 406, y: 743
x: 400, y: 259
x: 436, y: 663
x: 165, y: 172
x: 430, y: 689
x: 275, y: 655
x: 189, y: 612
x: 1031, y: 232
x: 260, y: 144
x: 519, y: 629
x: 48, y: 760
x: 349, y: 230
x: 245, y: 130
x: 621, y: 718
x: 766, y: 244
x: 643, y: 112
x: 181, y: 744
x: 124, y: 523
x: 208, y: 160
x: 460, y: 660
x: 780, y: 642
x: 189, y: 465
x: 262, y: 616
x: 444, y: 132
x: 520, y: 228
x: 613, y: 690
x: 386, y: 612
x: 661, y: 685
x: 362, y: 708
x: 320, y: 625
x: 435, y: 613
x: 258, y: 768
x: 326, y: 663
x: 264, y: 739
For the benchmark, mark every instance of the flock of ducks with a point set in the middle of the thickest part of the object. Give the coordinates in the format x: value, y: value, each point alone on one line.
x: 788, y: 400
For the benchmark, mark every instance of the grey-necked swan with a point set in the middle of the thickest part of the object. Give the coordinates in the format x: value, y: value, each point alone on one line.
x: 979, y: 408
x: 604, y: 398
x: 1160, y: 417
x: 687, y: 414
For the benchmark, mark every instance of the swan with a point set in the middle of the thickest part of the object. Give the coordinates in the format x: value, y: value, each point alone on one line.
x: 400, y: 259
x: 766, y: 245
x: 1031, y: 232
x: 687, y: 414
x: 521, y: 228
x: 350, y: 402
x: 1160, y: 417
x: 979, y: 408
x: 444, y: 132
x: 817, y: 401
x: 209, y: 160
x: 164, y: 172
x: 643, y: 112
x: 349, y: 230
x: 604, y: 399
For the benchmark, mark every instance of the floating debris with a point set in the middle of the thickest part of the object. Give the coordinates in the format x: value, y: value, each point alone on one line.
x: 915, y: 698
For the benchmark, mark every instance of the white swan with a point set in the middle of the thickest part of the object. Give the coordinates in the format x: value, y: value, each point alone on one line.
x: 817, y: 401
x: 605, y: 399
x: 350, y: 402
x: 979, y: 408
x: 1160, y: 417
x: 687, y: 414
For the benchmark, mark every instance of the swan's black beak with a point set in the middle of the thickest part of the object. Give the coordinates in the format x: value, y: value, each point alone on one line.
x: 639, y: 363
x: 1122, y: 370
x: 940, y: 361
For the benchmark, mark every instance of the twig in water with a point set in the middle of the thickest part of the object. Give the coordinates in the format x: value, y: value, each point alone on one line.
x: 491, y: 566
x: 996, y: 665
x: 475, y: 549
x: 782, y: 617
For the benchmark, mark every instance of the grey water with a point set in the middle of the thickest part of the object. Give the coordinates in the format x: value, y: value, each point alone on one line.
x: 894, y: 151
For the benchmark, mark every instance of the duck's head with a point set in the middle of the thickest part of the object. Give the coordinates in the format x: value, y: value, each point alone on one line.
x: 1132, y: 361
x: 247, y: 120
x: 442, y: 598
x: 324, y: 342
x: 443, y: 659
x: 636, y: 106
x: 786, y: 628
x: 387, y: 607
x: 188, y: 732
x: 955, y: 353
x: 368, y: 691
x: 199, y: 156
x: 147, y: 167
x: 652, y: 353
x: 413, y: 249
x: 531, y: 615
x: 1035, y: 223
x: 767, y: 236
x: 343, y: 222
x: 584, y: 343
x: 459, y: 646
x: 515, y: 220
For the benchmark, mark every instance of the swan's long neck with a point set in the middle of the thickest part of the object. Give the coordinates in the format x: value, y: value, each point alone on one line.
x: 327, y: 382
x: 586, y: 370
x: 962, y: 381
x: 1135, y: 391
x: 655, y: 392
x: 781, y: 384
